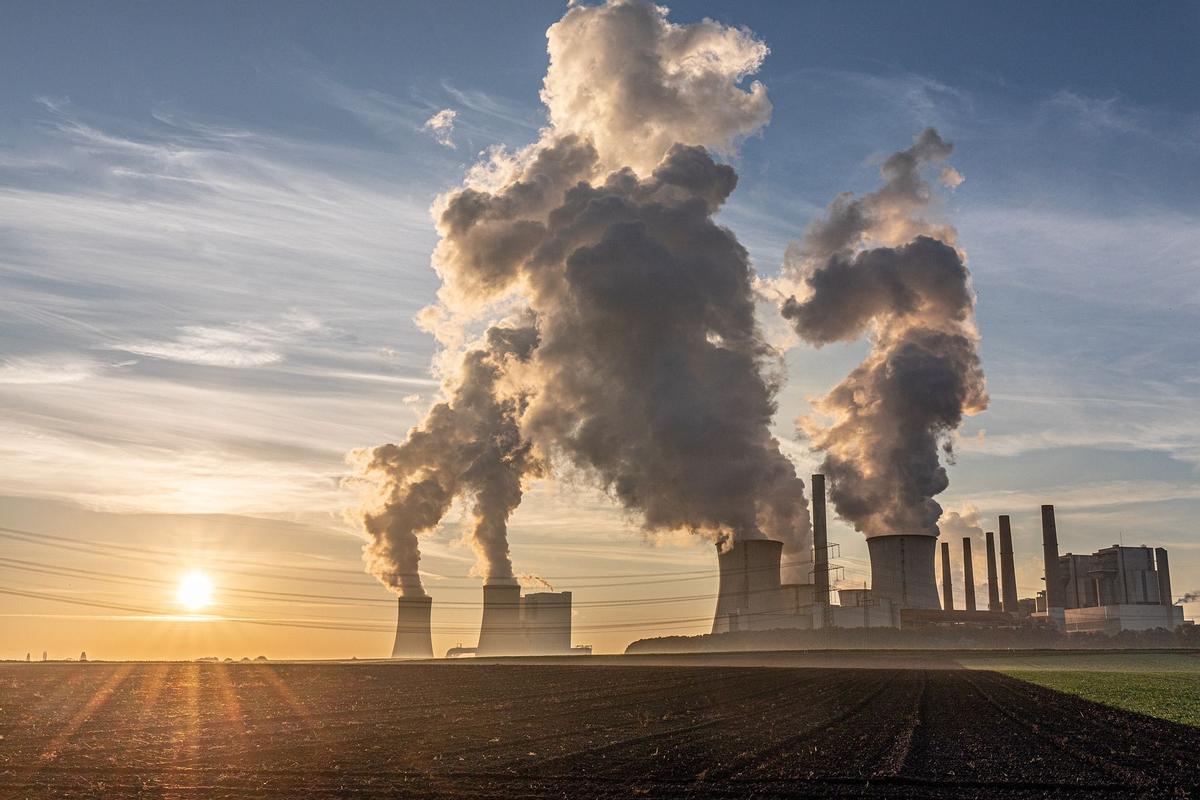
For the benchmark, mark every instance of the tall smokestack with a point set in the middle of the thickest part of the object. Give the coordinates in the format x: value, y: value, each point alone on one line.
x: 1163, y: 568
x: 500, y: 632
x: 1008, y: 572
x: 1054, y: 588
x: 820, y: 541
x: 414, y: 638
x: 993, y: 583
x: 969, y: 573
x: 947, y: 585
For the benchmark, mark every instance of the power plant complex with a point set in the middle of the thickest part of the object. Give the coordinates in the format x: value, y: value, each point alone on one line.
x: 1114, y: 589
x: 537, y: 624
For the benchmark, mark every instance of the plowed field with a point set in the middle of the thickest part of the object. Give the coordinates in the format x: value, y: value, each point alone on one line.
x: 569, y: 731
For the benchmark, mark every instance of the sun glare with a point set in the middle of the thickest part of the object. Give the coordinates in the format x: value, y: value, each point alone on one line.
x: 195, y: 591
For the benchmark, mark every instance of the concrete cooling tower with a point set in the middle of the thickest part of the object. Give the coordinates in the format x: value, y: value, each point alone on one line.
x: 414, y: 639
x: 500, y: 632
x: 546, y: 617
x: 537, y: 624
x: 748, y: 594
x: 902, y: 570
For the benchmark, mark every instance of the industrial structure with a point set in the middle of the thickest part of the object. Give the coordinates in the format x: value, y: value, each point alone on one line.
x: 751, y: 597
x: 1114, y: 589
x: 414, y: 636
x: 1118, y: 588
x: 537, y: 624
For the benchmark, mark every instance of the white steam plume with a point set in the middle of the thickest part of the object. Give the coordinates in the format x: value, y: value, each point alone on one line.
x: 877, y: 265
x: 647, y: 369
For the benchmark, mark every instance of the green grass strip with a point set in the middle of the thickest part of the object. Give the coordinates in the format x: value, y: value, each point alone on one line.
x: 1173, y: 696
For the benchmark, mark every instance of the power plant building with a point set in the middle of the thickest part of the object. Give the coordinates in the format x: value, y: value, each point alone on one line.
x: 1117, y: 588
x: 751, y: 597
x: 536, y: 624
x: 1112, y: 590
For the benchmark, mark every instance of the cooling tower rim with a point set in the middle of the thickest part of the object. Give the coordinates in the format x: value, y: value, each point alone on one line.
x: 756, y: 542
x: 902, y: 535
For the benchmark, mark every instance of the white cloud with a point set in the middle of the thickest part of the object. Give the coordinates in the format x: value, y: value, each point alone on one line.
x: 441, y: 125
x: 193, y: 245
x: 239, y: 345
x: 42, y: 370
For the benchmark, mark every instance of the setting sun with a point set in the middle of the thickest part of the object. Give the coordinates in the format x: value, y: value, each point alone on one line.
x: 195, y: 591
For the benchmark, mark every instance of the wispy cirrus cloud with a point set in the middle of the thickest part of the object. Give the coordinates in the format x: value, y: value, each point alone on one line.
x: 243, y: 344
x: 153, y: 272
x: 44, y: 370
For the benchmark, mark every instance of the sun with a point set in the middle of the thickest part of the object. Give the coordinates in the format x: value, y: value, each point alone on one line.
x: 195, y: 591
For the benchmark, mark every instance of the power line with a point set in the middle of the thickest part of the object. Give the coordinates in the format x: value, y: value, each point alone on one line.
x: 117, y: 578
x: 663, y: 624
x: 139, y: 554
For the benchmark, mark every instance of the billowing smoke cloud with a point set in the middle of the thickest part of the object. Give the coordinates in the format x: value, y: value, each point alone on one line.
x: 636, y: 84
x: 651, y: 360
x: 1190, y: 597
x: 469, y: 445
x: 876, y: 264
x: 957, y: 524
x: 646, y: 370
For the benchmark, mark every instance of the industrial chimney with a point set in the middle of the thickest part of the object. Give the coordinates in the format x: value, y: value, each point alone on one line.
x: 1008, y: 572
x: 1054, y: 587
x: 1163, y: 567
x: 947, y: 584
x: 969, y: 573
x: 992, y: 583
x: 500, y: 632
x: 820, y: 542
x: 902, y: 569
x: 414, y: 638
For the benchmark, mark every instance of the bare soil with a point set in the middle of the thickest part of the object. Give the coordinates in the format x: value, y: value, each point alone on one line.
x: 569, y: 731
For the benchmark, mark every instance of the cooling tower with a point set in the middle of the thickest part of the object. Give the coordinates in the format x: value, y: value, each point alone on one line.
x: 1054, y: 586
x: 1008, y: 572
x: 947, y: 583
x: 820, y: 541
x: 993, y: 583
x: 546, y: 617
x: 500, y: 632
x: 1163, y: 567
x: 414, y: 638
x: 749, y: 595
x: 902, y: 569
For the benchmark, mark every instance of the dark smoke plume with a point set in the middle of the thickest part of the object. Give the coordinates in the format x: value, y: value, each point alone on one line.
x: 1190, y: 597
x: 469, y: 445
x: 647, y: 370
x: 875, y: 266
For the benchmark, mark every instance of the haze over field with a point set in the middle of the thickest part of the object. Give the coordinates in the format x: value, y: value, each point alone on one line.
x: 629, y: 277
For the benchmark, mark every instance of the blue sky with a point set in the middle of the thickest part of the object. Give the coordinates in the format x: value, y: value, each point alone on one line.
x: 214, y: 235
